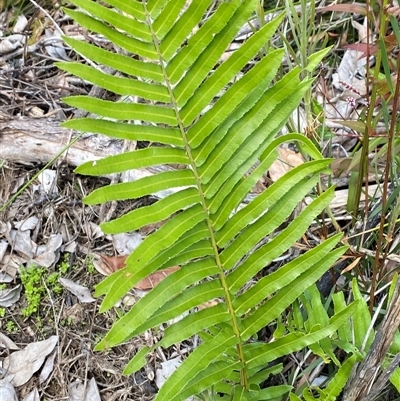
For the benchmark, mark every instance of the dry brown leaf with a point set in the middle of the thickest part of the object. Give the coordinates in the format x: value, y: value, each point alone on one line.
x: 7, y: 343
x: 147, y: 230
x: 80, y: 391
x: 395, y: 11
x: 7, y: 391
x: 259, y: 188
x: 155, y: 278
x: 21, y: 365
x: 72, y: 30
x: 351, y: 266
x: 286, y: 161
x: 81, y: 292
x: 110, y: 264
x: 363, y: 48
x: 10, y: 296
x: 346, y: 8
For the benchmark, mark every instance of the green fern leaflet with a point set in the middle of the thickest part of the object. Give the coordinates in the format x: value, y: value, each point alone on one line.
x: 177, y: 74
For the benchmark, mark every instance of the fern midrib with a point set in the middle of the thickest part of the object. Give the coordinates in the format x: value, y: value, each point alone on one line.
x: 228, y: 299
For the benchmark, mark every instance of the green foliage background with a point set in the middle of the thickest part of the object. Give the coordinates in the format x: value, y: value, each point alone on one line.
x: 177, y: 75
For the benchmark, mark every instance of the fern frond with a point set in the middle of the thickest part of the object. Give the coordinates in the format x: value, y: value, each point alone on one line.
x: 218, y: 123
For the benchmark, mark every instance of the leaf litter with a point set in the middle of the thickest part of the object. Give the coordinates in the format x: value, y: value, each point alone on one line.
x: 21, y: 365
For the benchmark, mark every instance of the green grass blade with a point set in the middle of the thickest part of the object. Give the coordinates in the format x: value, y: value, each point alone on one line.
x: 361, y: 319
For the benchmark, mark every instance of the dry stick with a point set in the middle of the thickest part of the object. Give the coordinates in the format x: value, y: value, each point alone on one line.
x: 366, y: 374
x: 15, y: 196
x: 389, y: 158
x: 376, y: 271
